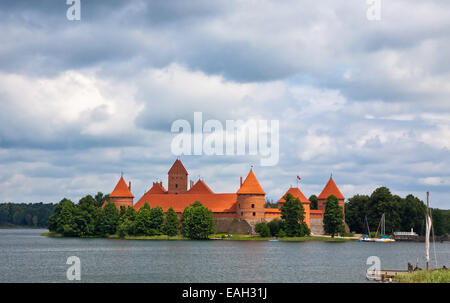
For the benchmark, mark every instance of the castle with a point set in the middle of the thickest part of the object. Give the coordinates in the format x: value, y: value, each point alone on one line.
x: 234, y: 212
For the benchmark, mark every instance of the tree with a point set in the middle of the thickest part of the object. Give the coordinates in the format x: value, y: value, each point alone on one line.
x: 262, y: 229
x: 100, y: 199
x: 275, y: 226
x: 197, y: 222
x: 143, y: 221
x: 333, y: 217
x: 108, y: 220
x: 356, y: 211
x: 314, y: 202
x: 381, y: 202
x: 171, y: 223
x: 292, y: 214
x: 86, y: 215
x: 156, y: 220
x: 128, y: 214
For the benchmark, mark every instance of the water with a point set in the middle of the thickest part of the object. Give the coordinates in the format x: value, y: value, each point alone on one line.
x: 25, y: 256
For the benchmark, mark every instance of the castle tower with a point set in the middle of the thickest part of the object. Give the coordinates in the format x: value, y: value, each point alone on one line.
x: 178, y: 178
x: 251, y: 200
x: 330, y: 189
x: 121, y: 195
x: 297, y: 193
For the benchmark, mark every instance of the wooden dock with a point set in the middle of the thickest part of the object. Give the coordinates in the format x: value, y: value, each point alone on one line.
x: 384, y: 275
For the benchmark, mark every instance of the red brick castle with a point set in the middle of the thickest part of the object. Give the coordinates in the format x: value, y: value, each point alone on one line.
x: 234, y: 212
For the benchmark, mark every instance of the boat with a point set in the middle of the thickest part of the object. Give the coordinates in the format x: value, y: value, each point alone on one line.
x: 383, y: 238
x: 366, y: 238
x: 274, y: 240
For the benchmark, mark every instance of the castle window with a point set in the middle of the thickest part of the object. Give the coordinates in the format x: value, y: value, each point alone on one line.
x: 242, y: 213
x: 254, y: 214
x: 176, y: 185
x: 253, y: 205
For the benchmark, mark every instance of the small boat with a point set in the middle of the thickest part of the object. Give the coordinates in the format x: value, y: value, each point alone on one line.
x: 366, y: 238
x: 383, y: 238
x: 274, y: 240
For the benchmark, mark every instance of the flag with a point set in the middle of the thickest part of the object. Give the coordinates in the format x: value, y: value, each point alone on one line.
x: 298, y: 178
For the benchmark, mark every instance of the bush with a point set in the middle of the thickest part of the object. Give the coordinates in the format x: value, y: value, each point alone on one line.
x: 282, y: 234
x: 262, y: 229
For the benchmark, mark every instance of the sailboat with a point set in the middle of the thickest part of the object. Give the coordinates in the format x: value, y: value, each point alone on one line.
x: 366, y: 238
x: 383, y: 237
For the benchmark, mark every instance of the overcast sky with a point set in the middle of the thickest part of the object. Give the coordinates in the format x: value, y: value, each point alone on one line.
x: 81, y: 101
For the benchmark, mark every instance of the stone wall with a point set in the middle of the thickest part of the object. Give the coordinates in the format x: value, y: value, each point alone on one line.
x: 233, y: 225
x: 316, y: 226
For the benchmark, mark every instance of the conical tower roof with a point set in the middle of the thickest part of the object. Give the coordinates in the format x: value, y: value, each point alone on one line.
x: 121, y: 190
x: 200, y: 188
x: 330, y: 189
x: 177, y: 168
x: 251, y: 185
x: 297, y: 193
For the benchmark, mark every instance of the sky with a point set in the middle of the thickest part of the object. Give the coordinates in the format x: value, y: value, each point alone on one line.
x: 82, y: 101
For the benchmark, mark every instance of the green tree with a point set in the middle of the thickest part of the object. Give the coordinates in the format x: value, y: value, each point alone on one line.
x: 171, y: 223
x: 356, y: 211
x: 143, y: 225
x: 275, y: 226
x: 108, y: 220
x: 381, y: 202
x: 197, y: 222
x: 314, y: 202
x: 333, y: 217
x: 262, y: 229
x: 100, y: 198
x: 156, y: 220
x: 293, y: 215
x: 86, y: 215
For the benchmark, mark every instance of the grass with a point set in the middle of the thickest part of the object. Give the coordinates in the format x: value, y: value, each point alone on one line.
x: 219, y: 236
x: 159, y: 237
x: 424, y: 276
x: 52, y: 234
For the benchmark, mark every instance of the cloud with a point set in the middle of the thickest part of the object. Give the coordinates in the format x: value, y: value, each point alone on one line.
x: 83, y: 101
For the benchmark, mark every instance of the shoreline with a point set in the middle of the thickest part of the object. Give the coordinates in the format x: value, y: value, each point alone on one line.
x: 214, y: 237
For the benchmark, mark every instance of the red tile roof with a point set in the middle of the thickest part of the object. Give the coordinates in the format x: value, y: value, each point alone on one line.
x: 251, y: 185
x: 157, y: 188
x: 200, y: 188
x: 177, y: 168
x: 121, y: 190
x: 330, y: 189
x: 215, y: 202
x: 297, y: 193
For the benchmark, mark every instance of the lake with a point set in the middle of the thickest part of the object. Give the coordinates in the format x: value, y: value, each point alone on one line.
x: 25, y: 256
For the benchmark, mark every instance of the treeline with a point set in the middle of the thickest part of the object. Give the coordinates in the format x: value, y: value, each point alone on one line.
x: 401, y: 214
x: 25, y: 214
x: 89, y: 219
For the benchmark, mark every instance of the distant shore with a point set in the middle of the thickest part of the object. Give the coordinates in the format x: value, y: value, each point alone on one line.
x: 221, y: 237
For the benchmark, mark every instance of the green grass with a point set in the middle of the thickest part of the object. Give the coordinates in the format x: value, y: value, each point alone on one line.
x: 159, y: 237
x: 217, y: 236
x: 425, y: 276
x: 52, y: 234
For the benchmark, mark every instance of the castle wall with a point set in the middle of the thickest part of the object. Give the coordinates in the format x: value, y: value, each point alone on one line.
x: 317, y: 226
x: 118, y: 202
